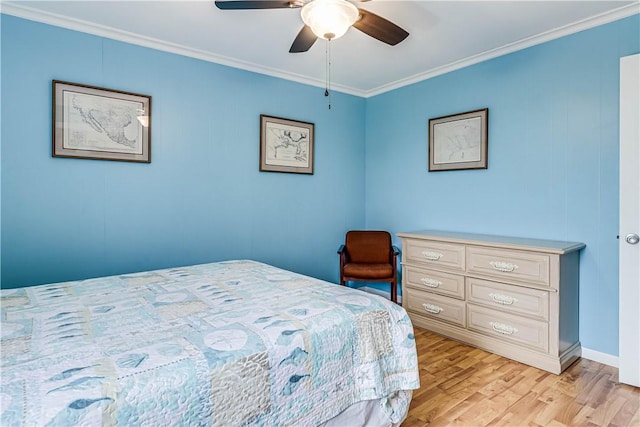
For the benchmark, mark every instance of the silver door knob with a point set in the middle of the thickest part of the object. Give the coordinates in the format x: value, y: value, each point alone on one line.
x: 632, y: 239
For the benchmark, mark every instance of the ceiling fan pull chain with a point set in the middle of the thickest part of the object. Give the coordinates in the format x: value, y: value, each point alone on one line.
x: 327, y: 52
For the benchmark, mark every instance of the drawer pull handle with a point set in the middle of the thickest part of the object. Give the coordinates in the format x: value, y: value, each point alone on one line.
x: 503, y: 329
x: 503, y: 266
x: 432, y: 283
x: 503, y: 299
x: 431, y: 256
x: 431, y: 308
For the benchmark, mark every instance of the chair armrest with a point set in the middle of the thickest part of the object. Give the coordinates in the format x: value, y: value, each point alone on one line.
x: 341, y: 249
x: 394, y: 259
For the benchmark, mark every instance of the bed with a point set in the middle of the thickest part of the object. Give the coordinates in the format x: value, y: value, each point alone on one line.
x: 227, y: 343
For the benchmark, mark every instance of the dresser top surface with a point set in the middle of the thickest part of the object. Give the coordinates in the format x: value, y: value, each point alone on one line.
x: 521, y: 243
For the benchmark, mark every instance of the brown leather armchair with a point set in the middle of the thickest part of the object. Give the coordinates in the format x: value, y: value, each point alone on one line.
x: 369, y: 256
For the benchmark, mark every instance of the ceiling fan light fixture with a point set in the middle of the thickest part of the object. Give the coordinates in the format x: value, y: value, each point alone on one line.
x: 329, y: 19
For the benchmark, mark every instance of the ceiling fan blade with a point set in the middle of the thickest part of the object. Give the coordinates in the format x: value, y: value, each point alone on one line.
x: 379, y: 28
x: 304, y: 40
x: 256, y: 4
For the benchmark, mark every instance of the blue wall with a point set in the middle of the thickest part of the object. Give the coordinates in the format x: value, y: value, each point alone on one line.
x: 553, y: 163
x: 553, y: 157
x: 201, y: 199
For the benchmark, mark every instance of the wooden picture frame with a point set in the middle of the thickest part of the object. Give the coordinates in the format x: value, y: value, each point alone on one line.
x: 101, y: 124
x: 286, y: 145
x: 459, y: 141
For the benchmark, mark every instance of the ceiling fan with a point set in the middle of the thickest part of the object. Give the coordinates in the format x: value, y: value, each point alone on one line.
x: 326, y: 19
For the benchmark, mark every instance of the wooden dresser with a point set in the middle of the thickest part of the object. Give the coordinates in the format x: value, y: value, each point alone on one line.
x: 511, y: 296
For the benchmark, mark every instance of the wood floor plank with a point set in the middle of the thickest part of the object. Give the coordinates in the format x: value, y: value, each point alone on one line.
x: 465, y: 386
x: 554, y: 402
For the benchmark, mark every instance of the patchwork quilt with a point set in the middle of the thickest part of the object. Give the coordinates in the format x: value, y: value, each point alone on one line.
x: 229, y: 343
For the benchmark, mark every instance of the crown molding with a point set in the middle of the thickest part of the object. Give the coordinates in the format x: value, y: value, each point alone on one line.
x: 31, y: 14
x: 22, y: 11
x: 585, y: 24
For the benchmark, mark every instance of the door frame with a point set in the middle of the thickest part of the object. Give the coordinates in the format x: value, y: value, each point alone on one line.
x: 629, y: 255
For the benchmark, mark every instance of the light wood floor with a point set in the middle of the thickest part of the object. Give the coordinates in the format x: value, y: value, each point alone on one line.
x: 464, y: 386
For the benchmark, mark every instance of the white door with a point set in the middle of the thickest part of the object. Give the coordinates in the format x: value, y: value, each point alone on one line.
x: 629, y: 339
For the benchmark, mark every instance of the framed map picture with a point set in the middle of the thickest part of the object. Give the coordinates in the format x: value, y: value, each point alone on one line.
x: 96, y: 123
x: 286, y: 145
x: 459, y: 141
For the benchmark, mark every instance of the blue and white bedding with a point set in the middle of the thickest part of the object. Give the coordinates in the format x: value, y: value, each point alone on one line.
x: 229, y: 343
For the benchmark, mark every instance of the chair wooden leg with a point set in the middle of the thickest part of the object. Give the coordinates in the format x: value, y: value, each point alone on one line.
x: 394, y: 291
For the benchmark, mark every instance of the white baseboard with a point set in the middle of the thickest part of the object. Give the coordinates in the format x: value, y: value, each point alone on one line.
x: 596, y: 356
x: 380, y: 292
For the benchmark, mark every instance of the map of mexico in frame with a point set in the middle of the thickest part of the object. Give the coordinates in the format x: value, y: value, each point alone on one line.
x: 96, y: 123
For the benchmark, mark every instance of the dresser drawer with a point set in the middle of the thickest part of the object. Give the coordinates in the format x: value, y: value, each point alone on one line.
x: 435, y: 254
x: 509, y: 298
x: 518, y: 330
x: 435, y: 306
x: 521, y: 266
x: 435, y: 281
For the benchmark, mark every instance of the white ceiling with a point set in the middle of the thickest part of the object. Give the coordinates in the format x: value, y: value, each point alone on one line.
x: 444, y: 35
